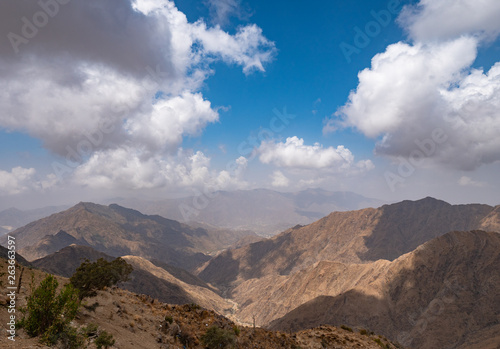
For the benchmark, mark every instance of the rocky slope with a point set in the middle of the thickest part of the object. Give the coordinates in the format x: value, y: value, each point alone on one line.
x: 119, y: 231
x: 138, y: 321
x: 167, y: 284
x: 442, y: 295
x: 349, y: 237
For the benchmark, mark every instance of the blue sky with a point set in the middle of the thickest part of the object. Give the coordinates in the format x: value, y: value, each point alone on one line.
x: 82, y: 116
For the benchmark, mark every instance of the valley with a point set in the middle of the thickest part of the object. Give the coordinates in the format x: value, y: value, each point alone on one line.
x: 423, y: 273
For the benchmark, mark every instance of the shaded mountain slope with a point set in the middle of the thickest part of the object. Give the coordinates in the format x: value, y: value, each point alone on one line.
x: 349, y: 237
x: 141, y: 322
x: 144, y: 279
x: 439, y: 296
x: 4, y: 253
x: 65, y: 261
x: 52, y: 243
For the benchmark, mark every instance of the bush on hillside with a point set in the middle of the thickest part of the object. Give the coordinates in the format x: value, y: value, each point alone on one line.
x: 216, y: 337
x: 48, y: 314
x: 90, y: 277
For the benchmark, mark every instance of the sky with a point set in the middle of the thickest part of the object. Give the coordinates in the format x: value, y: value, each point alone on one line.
x: 154, y: 99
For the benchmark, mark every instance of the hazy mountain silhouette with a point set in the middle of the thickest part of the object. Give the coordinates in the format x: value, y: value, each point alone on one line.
x: 261, y: 210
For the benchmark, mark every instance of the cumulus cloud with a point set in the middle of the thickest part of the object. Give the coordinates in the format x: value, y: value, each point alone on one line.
x: 279, y: 179
x: 413, y: 91
x: 20, y: 179
x: 170, y: 119
x: 293, y: 153
x: 449, y: 19
x: 111, y: 78
x: 129, y: 168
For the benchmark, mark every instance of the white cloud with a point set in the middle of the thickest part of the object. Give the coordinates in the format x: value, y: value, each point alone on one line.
x: 222, y: 10
x: 248, y: 47
x: 171, y: 119
x: 449, y: 19
x: 293, y: 153
x: 414, y: 90
x: 118, y: 84
x: 279, y: 179
x: 403, y: 85
x: 467, y: 181
x: 128, y: 168
x: 20, y: 180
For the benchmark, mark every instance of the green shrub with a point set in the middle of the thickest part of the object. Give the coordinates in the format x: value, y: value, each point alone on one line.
x: 91, y: 277
x: 90, y: 330
x: 104, y: 340
x: 193, y: 306
x: 70, y: 338
x: 344, y: 327
x: 236, y: 330
x: 216, y: 338
x: 363, y: 332
x: 379, y: 342
x: 48, y: 314
x: 169, y: 319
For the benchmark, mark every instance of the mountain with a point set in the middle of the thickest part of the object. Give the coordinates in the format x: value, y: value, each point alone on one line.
x: 137, y: 321
x: 13, y: 218
x: 4, y: 253
x: 442, y: 295
x: 261, y: 210
x: 146, y: 278
x: 120, y: 231
x: 361, y: 236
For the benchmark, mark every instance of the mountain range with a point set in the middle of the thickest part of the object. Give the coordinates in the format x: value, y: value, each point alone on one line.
x: 13, y: 218
x: 423, y: 273
x: 119, y: 231
x: 263, y: 211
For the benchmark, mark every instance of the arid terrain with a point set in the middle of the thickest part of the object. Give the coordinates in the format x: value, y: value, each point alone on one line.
x: 141, y: 321
x: 425, y: 274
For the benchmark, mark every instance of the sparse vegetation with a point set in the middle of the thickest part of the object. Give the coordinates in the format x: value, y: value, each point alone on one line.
x: 169, y: 319
x: 347, y: 328
x: 48, y: 314
x: 382, y: 344
x: 216, y: 337
x: 193, y: 306
x: 90, y: 277
x: 104, y: 340
x: 90, y: 330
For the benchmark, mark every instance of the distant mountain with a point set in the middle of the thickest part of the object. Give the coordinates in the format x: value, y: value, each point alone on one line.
x: 119, y: 231
x: 349, y: 237
x: 261, y: 210
x: 442, y: 295
x: 13, y: 218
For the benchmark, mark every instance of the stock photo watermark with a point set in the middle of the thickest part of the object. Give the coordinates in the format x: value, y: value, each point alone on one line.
x: 428, y: 147
x: 247, y: 150
x: 425, y: 148
x: 363, y: 36
x: 31, y: 26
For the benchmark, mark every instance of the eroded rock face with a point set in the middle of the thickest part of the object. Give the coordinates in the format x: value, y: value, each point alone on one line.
x: 439, y: 296
x: 361, y: 236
